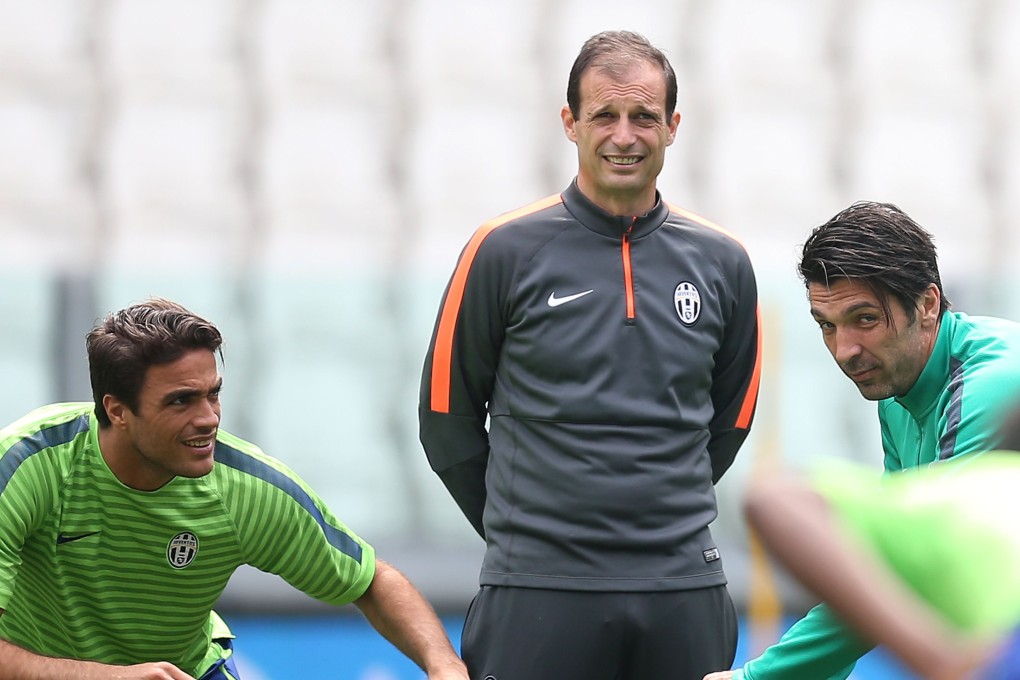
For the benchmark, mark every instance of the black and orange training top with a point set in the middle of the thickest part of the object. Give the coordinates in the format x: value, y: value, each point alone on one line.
x: 589, y: 378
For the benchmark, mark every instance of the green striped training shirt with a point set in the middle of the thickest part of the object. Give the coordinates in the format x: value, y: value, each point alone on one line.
x: 92, y: 569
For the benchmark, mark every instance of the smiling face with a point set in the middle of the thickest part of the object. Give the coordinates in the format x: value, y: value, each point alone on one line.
x: 173, y: 432
x: 621, y: 132
x: 882, y: 353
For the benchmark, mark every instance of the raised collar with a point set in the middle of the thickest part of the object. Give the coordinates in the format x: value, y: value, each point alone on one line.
x: 923, y: 396
x: 598, y: 220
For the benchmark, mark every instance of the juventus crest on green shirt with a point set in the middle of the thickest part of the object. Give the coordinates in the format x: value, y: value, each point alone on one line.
x: 91, y: 568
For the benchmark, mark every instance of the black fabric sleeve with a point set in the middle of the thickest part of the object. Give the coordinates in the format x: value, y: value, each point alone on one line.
x: 737, y: 370
x: 458, y: 451
x: 466, y: 483
x: 460, y: 368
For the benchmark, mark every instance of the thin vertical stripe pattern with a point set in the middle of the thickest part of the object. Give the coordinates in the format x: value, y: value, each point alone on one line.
x: 954, y: 411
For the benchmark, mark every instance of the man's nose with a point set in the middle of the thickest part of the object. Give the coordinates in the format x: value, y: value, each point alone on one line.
x: 624, y: 133
x: 845, y: 346
x: 208, y: 414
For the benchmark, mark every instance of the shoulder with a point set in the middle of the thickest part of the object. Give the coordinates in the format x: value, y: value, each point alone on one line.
x: 69, y: 415
x: 248, y: 460
x: 682, y: 218
x: 986, y: 348
x: 516, y: 234
x: 39, y: 451
x: 60, y: 430
x: 987, y: 334
x: 531, y: 213
x: 715, y: 239
x: 242, y: 467
x: 535, y: 218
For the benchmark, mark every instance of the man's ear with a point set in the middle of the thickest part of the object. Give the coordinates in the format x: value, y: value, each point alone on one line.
x: 568, y: 123
x: 674, y: 122
x: 930, y: 304
x: 115, y: 410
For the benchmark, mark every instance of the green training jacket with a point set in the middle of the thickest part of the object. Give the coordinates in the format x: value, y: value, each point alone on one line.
x: 954, y: 408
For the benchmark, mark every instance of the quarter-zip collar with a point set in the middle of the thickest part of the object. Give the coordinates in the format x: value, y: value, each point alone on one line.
x: 615, y: 226
x: 923, y: 396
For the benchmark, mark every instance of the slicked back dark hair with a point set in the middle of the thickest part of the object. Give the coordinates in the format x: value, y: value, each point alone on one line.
x: 878, y: 244
x: 615, y: 50
x: 123, y: 346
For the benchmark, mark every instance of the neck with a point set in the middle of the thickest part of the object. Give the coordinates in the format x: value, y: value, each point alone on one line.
x: 621, y: 205
x: 122, y: 458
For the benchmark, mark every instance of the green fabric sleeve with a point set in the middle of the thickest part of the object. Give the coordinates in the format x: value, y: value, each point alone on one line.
x: 818, y: 647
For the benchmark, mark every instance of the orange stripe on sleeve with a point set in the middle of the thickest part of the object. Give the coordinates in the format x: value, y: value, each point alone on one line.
x: 747, y: 409
x: 442, y: 355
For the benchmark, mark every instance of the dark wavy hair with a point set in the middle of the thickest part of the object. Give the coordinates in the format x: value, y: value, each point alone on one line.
x: 878, y: 244
x: 612, y: 50
x: 123, y: 346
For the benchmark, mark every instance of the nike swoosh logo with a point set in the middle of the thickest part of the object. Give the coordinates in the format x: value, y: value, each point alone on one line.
x: 554, y: 301
x: 64, y: 538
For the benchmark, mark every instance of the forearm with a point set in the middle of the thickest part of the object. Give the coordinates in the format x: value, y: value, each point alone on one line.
x: 817, y: 646
x: 466, y: 484
x: 457, y: 448
x: 797, y: 526
x: 722, y: 451
x: 402, y: 615
x: 735, y: 390
x: 20, y: 664
x: 17, y: 663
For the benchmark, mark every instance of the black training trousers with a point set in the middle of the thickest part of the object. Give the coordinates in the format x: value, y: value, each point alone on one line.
x: 535, y: 634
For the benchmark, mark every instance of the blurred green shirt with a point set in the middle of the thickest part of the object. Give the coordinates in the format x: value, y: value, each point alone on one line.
x: 949, y: 531
x: 955, y: 408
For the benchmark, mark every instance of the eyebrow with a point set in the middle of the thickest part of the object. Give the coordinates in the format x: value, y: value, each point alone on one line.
x: 639, y: 108
x: 190, y: 392
x: 849, y: 310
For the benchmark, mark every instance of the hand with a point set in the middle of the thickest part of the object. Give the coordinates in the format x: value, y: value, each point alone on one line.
x: 719, y: 675
x: 21, y: 663
x: 160, y: 670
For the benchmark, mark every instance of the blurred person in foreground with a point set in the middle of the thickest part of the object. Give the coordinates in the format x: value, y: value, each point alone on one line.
x: 121, y: 522
x: 942, y: 380
x: 922, y: 562
x: 612, y: 342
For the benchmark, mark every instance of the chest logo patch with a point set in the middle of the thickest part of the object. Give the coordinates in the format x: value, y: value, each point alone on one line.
x: 687, y: 302
x: 182, y: 549
x: 554, y: 301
